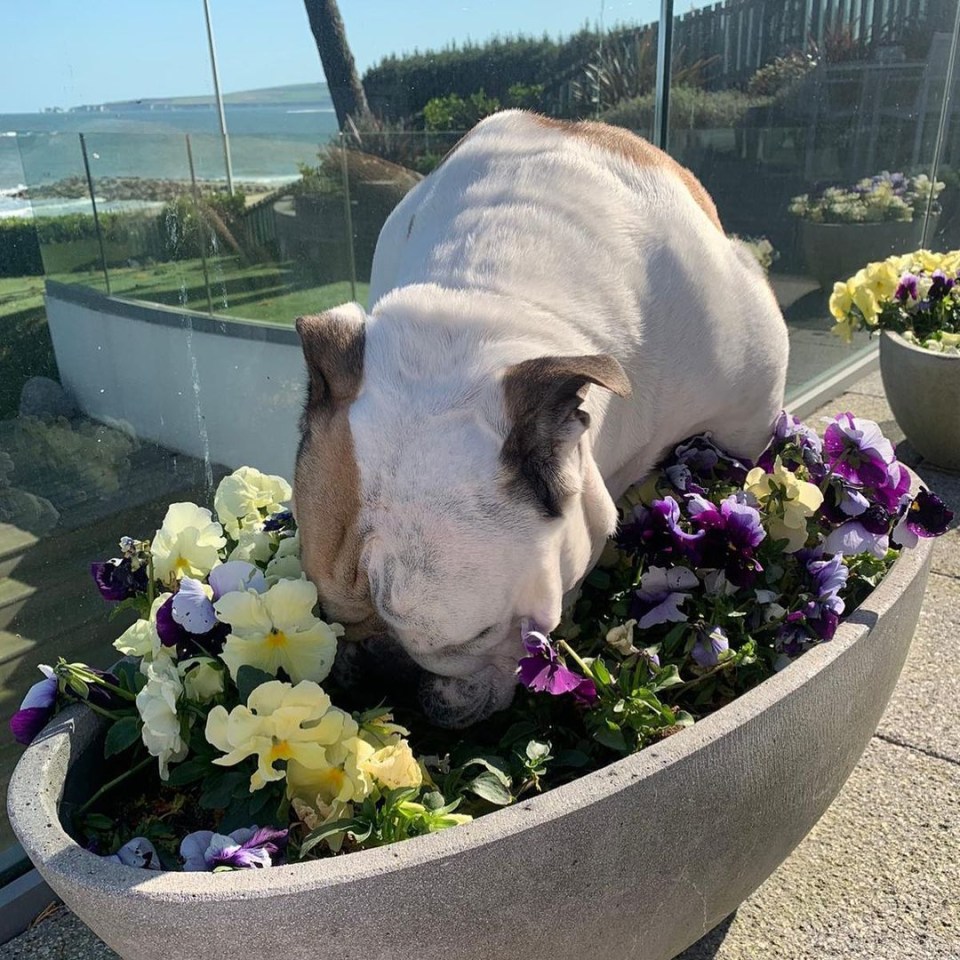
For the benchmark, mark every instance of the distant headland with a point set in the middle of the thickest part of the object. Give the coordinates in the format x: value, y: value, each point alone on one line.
x: 306, y: 93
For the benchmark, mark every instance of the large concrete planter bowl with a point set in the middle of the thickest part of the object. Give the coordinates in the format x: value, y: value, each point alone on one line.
x: 923, y: 389
x: 836, y: 251
x: 636, y: 860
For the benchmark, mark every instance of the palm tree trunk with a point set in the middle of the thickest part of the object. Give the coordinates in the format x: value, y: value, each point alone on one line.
x: 346, y: 91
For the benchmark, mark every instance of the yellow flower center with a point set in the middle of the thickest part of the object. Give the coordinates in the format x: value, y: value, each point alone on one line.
x: 280, y: 751
x: 276, y: 638
x: 181, y: 566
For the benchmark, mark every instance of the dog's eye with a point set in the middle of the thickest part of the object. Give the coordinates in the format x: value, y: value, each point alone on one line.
x: 484, y: 633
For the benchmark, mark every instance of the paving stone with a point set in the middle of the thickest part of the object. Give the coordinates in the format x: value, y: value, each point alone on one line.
x: 924, y: 711
x: 877, y: 879
x: 61, y: 936
x: 870, y: 385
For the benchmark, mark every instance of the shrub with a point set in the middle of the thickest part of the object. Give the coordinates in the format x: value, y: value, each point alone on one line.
x: 780, y: 74
x: 690, y: 109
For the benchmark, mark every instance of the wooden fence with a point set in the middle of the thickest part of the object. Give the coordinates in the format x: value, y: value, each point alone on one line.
x: 736, y: 37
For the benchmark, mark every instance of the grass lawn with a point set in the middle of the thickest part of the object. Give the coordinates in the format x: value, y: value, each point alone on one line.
x: 270, y: 293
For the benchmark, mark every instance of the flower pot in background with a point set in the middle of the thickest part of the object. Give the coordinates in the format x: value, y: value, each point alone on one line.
x: 835, y: 251
x: 923, y: 389
x: 640, y: 857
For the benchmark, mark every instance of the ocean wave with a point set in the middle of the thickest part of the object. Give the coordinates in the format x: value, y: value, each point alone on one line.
x: 13, y: 191
x: 312, y: 110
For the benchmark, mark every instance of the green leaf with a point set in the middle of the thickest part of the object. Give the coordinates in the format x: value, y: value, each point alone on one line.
x: 97, y: 821
x: 128, y: 673
x: 572, y: 758
x: 601, y: 672
x: 494, y: 765
x: 361, y: 829
x: 598, y: 578
x: 669, y: 676
x: 121, y: 735
x: 218, y: 789
x: 488, y: 786
x: 433, y: 800
x: 189, y: 772
x: 611, y: 736
x: 249, y: 678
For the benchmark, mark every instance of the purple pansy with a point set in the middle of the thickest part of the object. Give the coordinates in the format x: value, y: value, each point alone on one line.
x: 895, y: 484
x: 907, y: 288
x: 246, y: 848
x: 138, y: 852
x: 789, y: 432
x: 699, y: 460
x: 857, y: 450
x: 711, y: 642
x: 853, y: 537
x: 656, y: 530
x: 543, y: 671
x: 925, y: 516
x: 116, y: 579
x: 37, y: 708
x: 940, y: 285
x: 192, y: 609
x: 730, y: 534
x: 660, y: 595
x: 829, y: 577
x: 278, y: 521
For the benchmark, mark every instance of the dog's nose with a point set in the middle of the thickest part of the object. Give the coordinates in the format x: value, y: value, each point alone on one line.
x: 377, y: 666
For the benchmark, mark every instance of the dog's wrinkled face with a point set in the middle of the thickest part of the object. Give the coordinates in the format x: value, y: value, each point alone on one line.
x: 439, y: 513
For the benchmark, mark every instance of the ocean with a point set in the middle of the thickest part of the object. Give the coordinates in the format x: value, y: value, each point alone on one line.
x: 267, y: 142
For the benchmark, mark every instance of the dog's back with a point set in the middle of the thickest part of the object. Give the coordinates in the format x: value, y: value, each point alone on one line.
x: 624, y: 248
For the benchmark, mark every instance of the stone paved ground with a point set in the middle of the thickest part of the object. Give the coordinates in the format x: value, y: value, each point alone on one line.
x: 879, y: 877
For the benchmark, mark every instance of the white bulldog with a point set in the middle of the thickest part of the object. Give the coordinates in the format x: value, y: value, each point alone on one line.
x: 552, y: 310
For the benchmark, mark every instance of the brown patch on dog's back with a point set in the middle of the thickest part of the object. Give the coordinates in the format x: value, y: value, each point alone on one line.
x: 327, y: 478
x: 640, y: 151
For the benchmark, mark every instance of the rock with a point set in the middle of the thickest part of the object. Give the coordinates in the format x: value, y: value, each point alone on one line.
x: 45, y: 398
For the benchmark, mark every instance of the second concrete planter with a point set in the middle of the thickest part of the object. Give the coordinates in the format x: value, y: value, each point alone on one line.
x: 923, y: 389
x: 638, y: 859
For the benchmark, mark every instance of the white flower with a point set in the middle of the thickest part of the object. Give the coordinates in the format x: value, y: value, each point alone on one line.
x: 621, y: 638
x: 141, y: 639
x: 157, y: 705
x: 202, y: 679
x: 253, y: 545
x: 285, y: 564
x: 278, y: 629
x: 246, y: 496
x: 187, y: 544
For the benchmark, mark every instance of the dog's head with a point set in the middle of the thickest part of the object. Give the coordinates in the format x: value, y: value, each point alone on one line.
x: 440, y: 500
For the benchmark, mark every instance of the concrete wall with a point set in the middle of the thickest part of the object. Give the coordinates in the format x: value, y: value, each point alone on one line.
x: 226, y: 391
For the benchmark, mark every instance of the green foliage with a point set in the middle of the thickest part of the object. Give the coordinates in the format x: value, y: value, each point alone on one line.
x: 122, y: 735
x: 453, y: 112
x: 780, y: 74
x: 190, y: 227
x: 690, y: 109
x: 399, y: 88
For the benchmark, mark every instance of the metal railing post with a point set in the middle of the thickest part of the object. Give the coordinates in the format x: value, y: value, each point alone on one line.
x: 203, y: 240
x: 96, y: 218
x: 661, y: 108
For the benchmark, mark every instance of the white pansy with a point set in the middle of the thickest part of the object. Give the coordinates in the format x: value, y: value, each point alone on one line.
x: 187, y: 544
x: 247, y: 496
x: 157, y: 706
x: 253, y: 545
x: 285, y: 564
x: 202, y: 679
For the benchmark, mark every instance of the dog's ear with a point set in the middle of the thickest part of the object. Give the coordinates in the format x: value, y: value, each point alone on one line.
x: 333, y: 345
x: 542, y: 399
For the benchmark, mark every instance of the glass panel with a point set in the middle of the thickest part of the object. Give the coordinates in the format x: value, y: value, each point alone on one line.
x: 772, y: 100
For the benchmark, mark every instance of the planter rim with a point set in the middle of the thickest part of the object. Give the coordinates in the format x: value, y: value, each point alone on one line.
x: 864, y: 223
x: 35, y: 789
x: 895, y: 338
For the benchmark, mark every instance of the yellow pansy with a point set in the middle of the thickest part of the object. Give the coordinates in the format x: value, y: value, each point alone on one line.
x: 841, y: 300
x: 394, y: 766
x: 280, y: 722
x: 788, y: 502
x: 246, y: 496
x: 187, y: 545
x: 340, y: 779
x: 277, y: 629
x: 141, y: 639
x: 285, y: 564
x: 881, y: 279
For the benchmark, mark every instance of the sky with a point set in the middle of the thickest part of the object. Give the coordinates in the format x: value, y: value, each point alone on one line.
x: 63, y: 53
